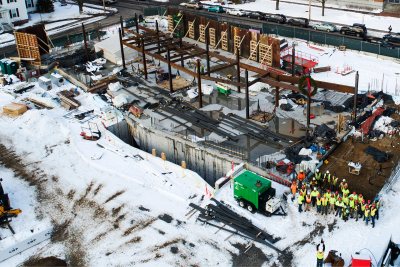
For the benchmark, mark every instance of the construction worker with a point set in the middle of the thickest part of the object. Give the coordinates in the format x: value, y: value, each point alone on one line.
x: 373, y: 214
x: 356, y: 209
x: 351, y: 206
x: 334, y: 183
x: 301, y: 176
x: 354, y: 196
x: 314, y: 194
x: 367, y: 214
x: 300, y: 201
x: 377, y: 205
x: 343, y: 186
x: 360, y: 198
x: 320, y: 253
x: 317, y: 176
x: 313, y: 182
x: 339, y: 205
x: 345, y: 199
x: 332, y: 202
x: 324, y: 203
x: 319, y: 203
x: 345, y: 213
x: 362, y: 210
x: 303, y: 191
x: 308, y: 202
x: 293, y: 189
x: 327, y: 178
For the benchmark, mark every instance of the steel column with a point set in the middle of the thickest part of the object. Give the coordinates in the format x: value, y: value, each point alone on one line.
x: 355, y: 97
x: 246, y: 73
x: 199, y: 84
x: 121, y: 45
x: 85, y: 42
x: 238, y: 67
x: 171, y: 89
x: 144, y: 61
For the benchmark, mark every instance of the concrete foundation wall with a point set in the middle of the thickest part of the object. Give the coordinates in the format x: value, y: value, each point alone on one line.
x: 208, y: 163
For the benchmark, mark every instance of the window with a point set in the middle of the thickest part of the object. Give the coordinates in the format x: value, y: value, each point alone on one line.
x: 29, y: 3
x: 14, y: 13
x: 11, y: 1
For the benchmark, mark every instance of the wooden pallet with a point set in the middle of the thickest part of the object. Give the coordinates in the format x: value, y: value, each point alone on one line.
x: 28, y: 47
x: 191, y: 29
x: 265, y: 54
x: 202, y: 29
x: 224, y: 41
x: 236, y: 44
x: 253, y: 50
x: 170, y: 23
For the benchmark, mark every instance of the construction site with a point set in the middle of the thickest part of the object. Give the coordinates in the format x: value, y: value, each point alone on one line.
x: 226, y: 102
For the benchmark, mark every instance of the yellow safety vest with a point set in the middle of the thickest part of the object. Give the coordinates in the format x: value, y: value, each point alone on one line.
x: 332, y: 200
x: 366, y: 212
x: 324, y: 201
x: 318, y: 201
x: 351, y: 204
x: 300, y: 199
x: 373, y: 211
x: 320, y: 255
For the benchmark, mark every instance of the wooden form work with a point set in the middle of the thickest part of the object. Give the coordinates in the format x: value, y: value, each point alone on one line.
x: 202, y: 37
x: 211, y: 36
x: 265, y: 54
x: 224, y: 40
x: 191, y: 29
x: 236, y: 44
x: 170, y: 23
x: 253, y: 50
x: 28, y: 47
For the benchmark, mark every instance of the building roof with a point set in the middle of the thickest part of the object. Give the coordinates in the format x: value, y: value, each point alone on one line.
x: 249, y: 179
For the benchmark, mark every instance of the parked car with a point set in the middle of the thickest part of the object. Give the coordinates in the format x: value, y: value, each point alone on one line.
x: 299, y: 22
x: 353, y: 30
x: 195, y: 5
x: 255, y: 15
x: 391, y: 40
x: 362, y: 26
x: 216, y: 9
x: 277, y: 18
x: 324, y: 26
x: 108, y: 2
x: 236, y: 12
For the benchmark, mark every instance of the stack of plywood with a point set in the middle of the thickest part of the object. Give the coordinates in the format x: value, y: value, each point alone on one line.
x: 15, y: 109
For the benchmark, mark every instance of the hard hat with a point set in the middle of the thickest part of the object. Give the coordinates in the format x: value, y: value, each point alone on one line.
x: 315, y: 188
x: 327, y: 171
x: 301, y: 171
x: 317, y: 170
x: 369, y: 201
x: 328, y: 190
x: 373, y: 205
x: 344, y: 180
x: 313, y: 179
x: 337, y: 192
x: 367, y: 207
x: 363, y: 201
x: 360, y: 195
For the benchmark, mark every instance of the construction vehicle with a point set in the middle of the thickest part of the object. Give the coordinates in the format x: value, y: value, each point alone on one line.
x: 255, y: 192
x: 223, y: 88
x: 6, y: 212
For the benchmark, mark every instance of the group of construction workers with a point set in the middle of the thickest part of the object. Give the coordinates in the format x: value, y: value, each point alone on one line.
x: 325, y: 193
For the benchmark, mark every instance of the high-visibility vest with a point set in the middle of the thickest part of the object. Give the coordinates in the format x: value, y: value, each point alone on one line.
x: 346, y: 191
x: 345, y: 200
x: 339, y: 204
x: 324, y: 201
x: 334, y: 181
x: 363, y: 207
x: 317, y: 175
x: 327, y: 177
x: 351, y: 204
x: 303, y: 192
x: 308, y: 199
x: 320, y: 255
x: 318, y: 201
x: 366, y: 212
x: 314, y: 193
x: 301, y: 176
x: 327, y: 195
x: 332, y: 200
x: 360, y: 199
x: 300, y: 199
x: 353, y: 196
x: 293, y: 187
x: 373, y: 211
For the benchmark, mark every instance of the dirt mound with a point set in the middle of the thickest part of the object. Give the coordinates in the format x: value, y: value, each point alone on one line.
x: 48, y: 261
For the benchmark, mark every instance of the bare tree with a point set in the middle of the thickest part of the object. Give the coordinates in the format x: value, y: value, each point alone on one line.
x: 80, y: 5
x: 323, y: 6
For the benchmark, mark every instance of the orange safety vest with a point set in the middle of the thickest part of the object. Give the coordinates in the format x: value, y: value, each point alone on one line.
x: 308, y: 199
x: 301, y: 176
x: 293, y: 187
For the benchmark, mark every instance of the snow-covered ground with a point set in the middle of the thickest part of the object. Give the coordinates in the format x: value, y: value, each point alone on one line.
x: 335, y: 16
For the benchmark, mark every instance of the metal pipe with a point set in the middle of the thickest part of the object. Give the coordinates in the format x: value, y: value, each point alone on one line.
x: 238, y: 67
x: 171, y: 89
x: 144, y: 61
x: 85, y: 42
x: 199, y: 84
x: 246, y: 75
x: 121, y: 45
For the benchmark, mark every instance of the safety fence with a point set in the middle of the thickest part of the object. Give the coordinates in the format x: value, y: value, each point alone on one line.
x: 330, y: 39
x: 153, y: 11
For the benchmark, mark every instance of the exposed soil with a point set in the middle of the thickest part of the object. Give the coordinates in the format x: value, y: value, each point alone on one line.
x: 48, y: 261
x: 369, y: 182
x: 253, y: 257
